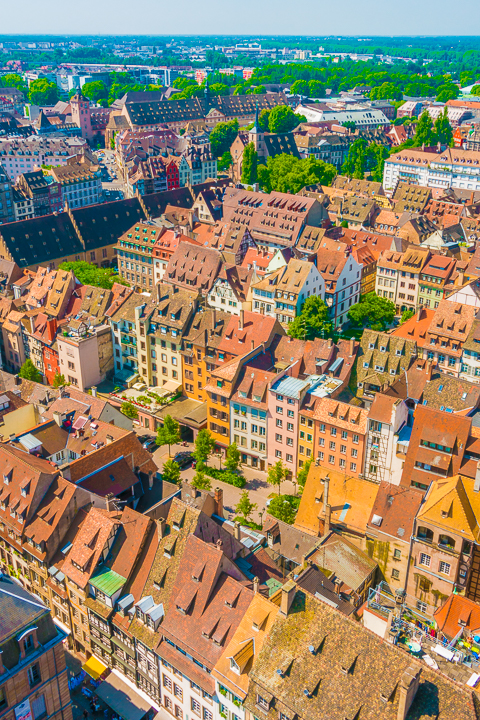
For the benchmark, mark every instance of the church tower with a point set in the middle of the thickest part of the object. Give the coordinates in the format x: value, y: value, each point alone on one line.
x: 256, y: 136
x: 81, y: 114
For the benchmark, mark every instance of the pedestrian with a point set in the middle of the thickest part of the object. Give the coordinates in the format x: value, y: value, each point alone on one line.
x: 85, y: 715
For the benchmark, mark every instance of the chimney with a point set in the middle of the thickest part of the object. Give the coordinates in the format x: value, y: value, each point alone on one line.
x: 161, y: 526
x: 214, y: 318
x: 420, y: 313
x: 219, y: 502
x: 329, y: 342
x: 407, y: 689
x: 236, y: 530
x: 288, y: 593
x: 109, y: 501
x: 17, y: 380
x: 476, y: 486
x: 472, y: 198
x: 352, y: 346
x: 255, y: 585
x: 109, y: 439
x: 241, y: 320
x: 439, y: 147
x: 460, y: 278
x: 326, y: 485
x: 219, y: 545
x: 58, y: 417
x: 428, y: 370
x: 94, y: 390
x: 337, y: 582
x: 253, y: 344
x: 327, y: 522
x: 32, y: 324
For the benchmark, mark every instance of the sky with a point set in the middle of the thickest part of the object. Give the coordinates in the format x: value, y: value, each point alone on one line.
x: 308, y: 17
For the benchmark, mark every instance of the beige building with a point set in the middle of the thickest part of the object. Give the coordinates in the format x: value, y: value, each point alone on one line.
x: 85, y: 354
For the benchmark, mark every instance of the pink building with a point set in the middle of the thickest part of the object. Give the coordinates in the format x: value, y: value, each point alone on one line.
x: 85, y: 355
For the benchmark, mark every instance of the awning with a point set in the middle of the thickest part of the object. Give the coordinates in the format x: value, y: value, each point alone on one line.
x: 94, y: 667
x: 122, y: 699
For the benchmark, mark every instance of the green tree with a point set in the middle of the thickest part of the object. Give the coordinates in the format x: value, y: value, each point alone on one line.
x: 406, y: 315
x: 282, y: 119
x: 277, y: 473
x: 344, y: 223
x: 286, y: 173
x: 424, y: 134
x: 232, y: 460
x: 95, y: 91
x: 282, y: 508
x: 129, y: 410
x: 350, y: 125
x: 476, y: 90
x: 259, y: 90
x: 249, y: 165
x: 171, y: 472
x: 204, y: 446
x: 169, y: 433
x: 225, y: 162
x: 375, y: 156
x: 372, y: 311
x: 447, y: 92
x: 316, y: 89
x: 245, y: 507
x: 201, y: 481
x: 219, y: 89
x: 89, y: 274
x: 59, y: 380
x: 43, y: 92
x: 303, y: 474
x: 442, y: 129
x: 386, y: 91
x: 13, y: 80
x: 263, y: 119
x: 222, y: 137
x: 312, y: 322
x: 356, y: 161
x: 300, y: 87
x: 28, y: 371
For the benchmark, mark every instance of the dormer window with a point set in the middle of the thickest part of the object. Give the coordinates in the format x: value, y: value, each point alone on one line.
x: 234, y: 666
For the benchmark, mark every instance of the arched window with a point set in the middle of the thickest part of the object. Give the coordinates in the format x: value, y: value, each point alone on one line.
x: 447, y: 541
x: 425, y: 534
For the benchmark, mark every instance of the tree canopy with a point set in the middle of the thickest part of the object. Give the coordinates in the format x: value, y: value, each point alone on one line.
x: 204, y: 446
x: 249, y: 164
x: 277, y: 473
x: 286, y: 173
x: 43, y: 92
x: 129, y: 410
x: 312, y: 322
x: 245, y: 507
x: 283, y: 508
x: 171, y: 472
x: 232, y: 460
x: 222, y: 137
x: 362, y: 158
x: 372, y: 311
x: 282, y: 119
x: 169, y: 433
x: 89, y: 274
x: 95, y: 91
x: 28, y: 371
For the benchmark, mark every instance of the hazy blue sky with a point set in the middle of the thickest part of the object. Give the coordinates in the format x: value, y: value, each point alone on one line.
x: 308, y: 17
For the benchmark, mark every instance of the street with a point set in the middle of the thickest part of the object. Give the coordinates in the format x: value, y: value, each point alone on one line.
x: 258, y: 488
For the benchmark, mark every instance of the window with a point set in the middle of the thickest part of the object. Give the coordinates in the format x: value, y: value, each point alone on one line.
x: 354, y: 452
x: 353, y: 467
x: 261, y: 702
x: 395, y: 574
x: 195, y: 705
x: 444, y: 568
x: 397, y: 554
x: 34, y: 676
x: 177, y: 691
x: 425, y: 559
x: 331, y: 459
x: 167, y: 682
x: 332, y: 445
x: 422, y: 606
x: 333, y: 431
x: 207, y: 715
x: 38, y: 706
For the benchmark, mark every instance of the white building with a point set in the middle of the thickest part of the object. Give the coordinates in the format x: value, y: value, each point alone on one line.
x: 387, y: 439
x: 22, y: 155
x: 362, y: 116
x: 451, y: 168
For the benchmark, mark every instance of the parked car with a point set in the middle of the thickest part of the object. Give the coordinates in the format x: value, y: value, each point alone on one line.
x: 184, y: 459
x: 144, y: 438
x: 150, y: 445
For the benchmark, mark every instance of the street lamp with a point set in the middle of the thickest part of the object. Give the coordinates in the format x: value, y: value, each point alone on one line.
x: 260, y: 512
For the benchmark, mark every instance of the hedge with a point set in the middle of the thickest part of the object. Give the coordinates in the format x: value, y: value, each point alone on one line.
x: 226, y: 476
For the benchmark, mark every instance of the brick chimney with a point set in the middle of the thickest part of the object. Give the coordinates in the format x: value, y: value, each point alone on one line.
x: 428, y: 370
x: 288, y: 594
x: 255, y: 584
x: 352, y: 346
x: 109, y: 499
x: 219, y: 502
x: 236, y: 530
x: 407, y: 690
x: 241, y: 320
